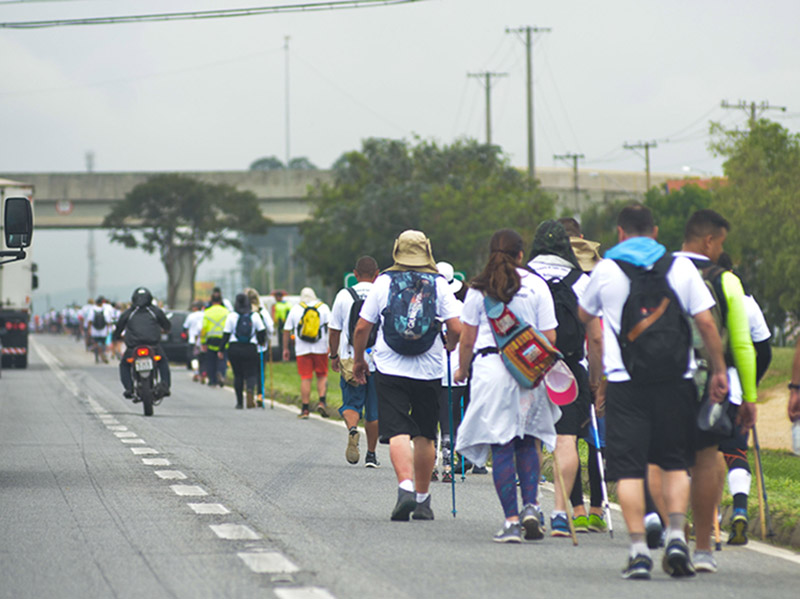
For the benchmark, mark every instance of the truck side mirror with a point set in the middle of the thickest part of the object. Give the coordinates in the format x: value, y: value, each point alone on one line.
x: 18, y: 222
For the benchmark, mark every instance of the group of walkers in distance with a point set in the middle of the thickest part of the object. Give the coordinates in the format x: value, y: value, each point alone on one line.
x: 651, y: 357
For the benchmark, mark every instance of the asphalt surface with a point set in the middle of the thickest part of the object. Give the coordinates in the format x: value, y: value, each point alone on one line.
x: 82, y: 515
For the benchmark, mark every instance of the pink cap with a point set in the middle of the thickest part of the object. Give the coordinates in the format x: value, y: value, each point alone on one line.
x: 560, y: 384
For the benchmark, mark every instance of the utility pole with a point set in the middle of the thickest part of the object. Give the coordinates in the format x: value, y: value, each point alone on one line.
x: 487, y: 77
x: 751, y: 108
x: 529, y: 80
x: 646, y: 145
x: 286, y: 85
x: 574, y: 158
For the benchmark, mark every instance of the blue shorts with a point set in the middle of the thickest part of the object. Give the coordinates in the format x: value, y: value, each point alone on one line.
x: 360, y: 398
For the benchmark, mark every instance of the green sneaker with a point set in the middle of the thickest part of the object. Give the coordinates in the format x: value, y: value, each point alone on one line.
x: 597, y: 523
x: 581, y: 523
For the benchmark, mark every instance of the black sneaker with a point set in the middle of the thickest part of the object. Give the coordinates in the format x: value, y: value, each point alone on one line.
x: 322, y: 410
x: 371, y: 460
x: 128, y: 394
x: 423, y: 510
x: 676, y: 561
x: 654, y: 532
x: 447, y: 476
x: 406, y: 503
x: 434, y: 475
x: 531, y: 523
x: 480, y: 470
x: 510, y: 533
x: 639, y: 568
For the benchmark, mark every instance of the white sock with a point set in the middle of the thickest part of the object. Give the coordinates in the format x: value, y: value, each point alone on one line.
x: 422, y: 497
x: 407, y: 485
x: 739, y: 481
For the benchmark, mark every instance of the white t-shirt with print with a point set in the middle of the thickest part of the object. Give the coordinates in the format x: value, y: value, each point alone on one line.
x: 533, y: 303
x: 608, y: 290
x: 426, y: 366
x: 193, y: 325
x: 340, y: 320
x: 301, y: 347
x: 233, y: 319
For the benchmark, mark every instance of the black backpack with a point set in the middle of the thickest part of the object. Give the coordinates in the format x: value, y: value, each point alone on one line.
x: 571, y: 332
x: 355, y: 309
x: 244, y: 328
x: 655, y: 336
x: 99, y: 320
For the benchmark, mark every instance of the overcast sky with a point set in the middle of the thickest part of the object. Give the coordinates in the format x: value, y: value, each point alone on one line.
x: 210, y: 95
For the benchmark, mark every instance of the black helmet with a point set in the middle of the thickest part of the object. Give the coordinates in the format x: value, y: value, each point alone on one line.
x: 141, y: 297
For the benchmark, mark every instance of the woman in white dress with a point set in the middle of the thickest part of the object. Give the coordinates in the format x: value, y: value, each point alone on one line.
x: 502, y: 415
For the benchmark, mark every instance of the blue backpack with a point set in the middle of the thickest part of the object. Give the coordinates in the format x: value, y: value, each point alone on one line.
x: 409, y: 320
x: 244, y: 328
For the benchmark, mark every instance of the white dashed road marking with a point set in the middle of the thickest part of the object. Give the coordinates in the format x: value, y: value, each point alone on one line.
x: 116, y: 427
x: 144, y: 451
x: 155, y: 461
x: 133, y: 441
x: 234, y: 531
x: 124, y: 434
x: 209, y: 508
x: 268, y: 563
x: 303, y: 593
x: 170, y: 474
x: 188, y: 490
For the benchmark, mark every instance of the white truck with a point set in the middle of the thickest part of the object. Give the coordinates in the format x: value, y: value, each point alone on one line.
x: 16, y: 287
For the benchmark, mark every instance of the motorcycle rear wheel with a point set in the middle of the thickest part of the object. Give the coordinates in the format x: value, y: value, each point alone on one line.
x: 146, y: 393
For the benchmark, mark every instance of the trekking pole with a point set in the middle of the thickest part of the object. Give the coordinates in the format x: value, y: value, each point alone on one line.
x: 763, y: 505
x: 271, y: 393
x: 452, y: 442
x: 463, y: 466
x: 567, y: 503
x: 717, y: 534
x: 601, y: 468
x: 261, y: 378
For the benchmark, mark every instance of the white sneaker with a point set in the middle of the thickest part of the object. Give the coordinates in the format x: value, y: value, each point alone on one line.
x: 704, y: 562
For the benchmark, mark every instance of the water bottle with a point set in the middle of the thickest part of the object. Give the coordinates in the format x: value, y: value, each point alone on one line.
x: 796, y: 437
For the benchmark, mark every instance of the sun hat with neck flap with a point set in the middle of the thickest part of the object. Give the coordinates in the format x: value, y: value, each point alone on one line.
x: 412, y: 251
x: 551, y: 238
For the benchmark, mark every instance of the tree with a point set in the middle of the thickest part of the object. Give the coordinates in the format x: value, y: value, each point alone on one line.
x: 458, y: 195
x: 672, y: 210
x: 762, y: 202
x: 301, y: 163
x: 184, y: 220
x: 599, y: 223
x: 268, y: 163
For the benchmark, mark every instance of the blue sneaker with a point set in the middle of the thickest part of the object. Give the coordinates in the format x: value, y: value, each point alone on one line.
x: 559, y: 526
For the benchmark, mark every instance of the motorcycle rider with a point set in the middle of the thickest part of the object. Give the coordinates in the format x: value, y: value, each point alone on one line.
x: 142, y: 324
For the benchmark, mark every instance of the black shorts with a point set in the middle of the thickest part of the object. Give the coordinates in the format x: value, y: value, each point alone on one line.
x: 704, y: 439
x: 407, y: 406
x: 575, y: 416
x: 649, y: 424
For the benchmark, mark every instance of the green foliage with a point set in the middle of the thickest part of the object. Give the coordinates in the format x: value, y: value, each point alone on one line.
x: 599, y: 223
x: 170, y: 215
x: 762, y: 202
x: 301, y: 163
x: 671, y: 211
x: 458, y: 195
x: 268, y: 163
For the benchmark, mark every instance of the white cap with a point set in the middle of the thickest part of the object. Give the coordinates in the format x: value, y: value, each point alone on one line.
x: 448, y: 272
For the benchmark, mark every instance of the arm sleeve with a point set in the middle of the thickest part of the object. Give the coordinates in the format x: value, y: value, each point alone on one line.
x: 225, y: 338
x: 121, y: 324
x: 163, y: 320
x: 763, y: 358
x: 744, y: 354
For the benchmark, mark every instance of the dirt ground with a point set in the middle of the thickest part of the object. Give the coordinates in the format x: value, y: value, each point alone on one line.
x: 774, y: 428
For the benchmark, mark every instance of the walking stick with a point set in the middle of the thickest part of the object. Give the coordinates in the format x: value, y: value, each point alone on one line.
x: 601, y: 468
x: 717, y: 535
x: 271, y: 393
x: 463, y: 466
x: 567, y: 503
x: 261, y: 378
x: 763, y: 505
x: 452, y: 442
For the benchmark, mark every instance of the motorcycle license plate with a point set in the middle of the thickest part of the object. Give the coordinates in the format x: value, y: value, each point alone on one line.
x: 142, y: 364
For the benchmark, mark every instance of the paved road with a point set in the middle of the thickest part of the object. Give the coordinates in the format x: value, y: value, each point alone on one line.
x: 89, y: 507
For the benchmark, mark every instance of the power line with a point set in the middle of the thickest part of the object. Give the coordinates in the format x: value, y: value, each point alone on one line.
x: 646, y: 146
x: 206, y: 14
x: 487, y: 77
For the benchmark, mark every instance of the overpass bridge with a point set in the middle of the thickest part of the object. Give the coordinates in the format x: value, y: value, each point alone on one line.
x: 82, y: 200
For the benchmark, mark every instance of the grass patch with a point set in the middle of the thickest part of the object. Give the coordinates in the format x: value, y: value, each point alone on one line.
x: 780, y: 369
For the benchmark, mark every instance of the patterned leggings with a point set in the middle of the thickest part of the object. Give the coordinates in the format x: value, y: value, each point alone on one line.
x: 505, y: 474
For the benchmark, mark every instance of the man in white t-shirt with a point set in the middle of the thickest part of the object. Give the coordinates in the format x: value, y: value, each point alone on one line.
x: 192, y: 326
x: 356, y: 399
x: 310, y: 347
x: 406, y: 299
x: 100, y: 320
x: 651, y: 422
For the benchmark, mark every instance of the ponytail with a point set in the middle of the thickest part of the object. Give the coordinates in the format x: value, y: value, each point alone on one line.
x: 500, y: 279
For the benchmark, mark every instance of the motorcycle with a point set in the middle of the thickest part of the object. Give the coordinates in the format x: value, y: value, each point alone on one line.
x: 144, y: 372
